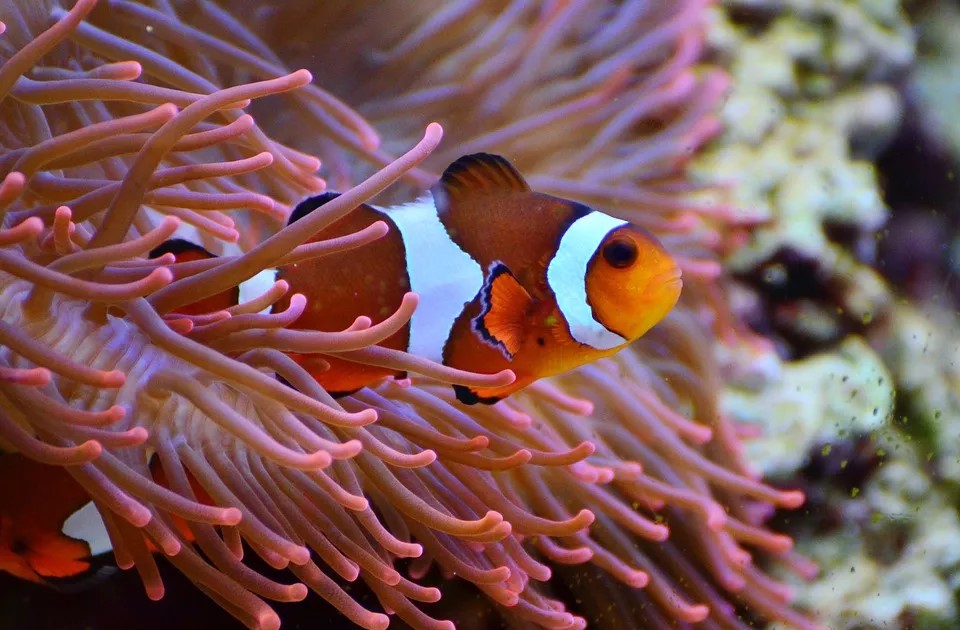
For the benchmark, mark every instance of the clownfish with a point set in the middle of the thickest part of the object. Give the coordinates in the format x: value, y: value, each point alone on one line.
x: 55, y: 536
x: 508, y: 278
x: 184, y: 250
x: 50, y: 530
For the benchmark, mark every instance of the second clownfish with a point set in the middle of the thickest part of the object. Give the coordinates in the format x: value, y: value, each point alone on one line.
x: 508, y: 278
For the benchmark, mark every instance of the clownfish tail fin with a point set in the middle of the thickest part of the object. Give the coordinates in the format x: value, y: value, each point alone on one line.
x: 310, y: 204
x: 504, y: 305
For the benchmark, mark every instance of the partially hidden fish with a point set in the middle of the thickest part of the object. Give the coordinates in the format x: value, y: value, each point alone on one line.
x: 183, y: 251
x: 508, y: 278
x: 50, y: 530
x: 52, y: 533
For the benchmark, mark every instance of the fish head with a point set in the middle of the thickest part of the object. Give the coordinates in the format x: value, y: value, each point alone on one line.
x: 632, y: 282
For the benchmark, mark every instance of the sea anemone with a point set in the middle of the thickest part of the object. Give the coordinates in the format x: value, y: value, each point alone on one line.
x: 117, y: 130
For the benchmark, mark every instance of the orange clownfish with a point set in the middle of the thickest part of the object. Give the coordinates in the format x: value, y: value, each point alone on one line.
x: 50, y: 530
x: 508, y: 278
x: 187, y: 251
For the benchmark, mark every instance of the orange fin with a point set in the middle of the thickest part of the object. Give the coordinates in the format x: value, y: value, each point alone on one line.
x: 480, y: 172
x: 469, y: 396
x: 504, y: 307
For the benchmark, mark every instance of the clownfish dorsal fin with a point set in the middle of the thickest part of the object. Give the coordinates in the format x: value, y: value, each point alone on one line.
x: 178, y: 247
x: 504, y: 307
x: 480, y: 173
x: 310, y: 204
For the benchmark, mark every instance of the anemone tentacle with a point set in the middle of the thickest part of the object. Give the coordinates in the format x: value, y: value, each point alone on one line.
x: 113, y: 136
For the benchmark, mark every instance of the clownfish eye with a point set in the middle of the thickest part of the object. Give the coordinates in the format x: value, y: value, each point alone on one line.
x: 620, y: 253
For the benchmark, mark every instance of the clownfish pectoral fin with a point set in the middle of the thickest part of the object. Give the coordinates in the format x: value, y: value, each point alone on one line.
x: 310, y: 204
x: 480, y: 172
x: 469, y: 397
x: 98, y: 570
x: 504, y: 305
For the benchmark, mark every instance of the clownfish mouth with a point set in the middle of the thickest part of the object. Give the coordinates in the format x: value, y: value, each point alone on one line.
x: 670, y: 278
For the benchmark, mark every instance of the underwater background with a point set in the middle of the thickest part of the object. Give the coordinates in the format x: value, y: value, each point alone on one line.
x: 802, y: 157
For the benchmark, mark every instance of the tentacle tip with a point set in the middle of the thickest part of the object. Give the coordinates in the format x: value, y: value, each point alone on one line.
x: 114, y: 379
x: 267, y: 620
x: 350, y: 449
x: 367, y: 416
x: 583, y: 407
x: 231, y: 516
x: 319, y: 460
x: 716, y: 518
x: 302, y: 76
x: 792, y: 499
x: 659, y: 533
x: 297, y: 592
x: 410, y: 299
x: 604, y: 475
x: 32, y: 224
x: 587, y: 448
x: 167, y: 110
x: 139, y: 516
x: 629, y: 470
x: 584, y: 519
x: 637, y: 579
x: 504, y: 377
x: 696, y: 614
x: 701, y: 435
x: 171, y: 547
x: 155, y: 592
x: 376, y: 621
x: 37, y: 377
x: 522, y: 457
x: 299, y: 555
x: 162, y: 276
x: 15, y: 178
x: 478, y: 442
x: 491, y: 519
x: 90, y: 450
x: 380, y: 229
x: 434, y: 131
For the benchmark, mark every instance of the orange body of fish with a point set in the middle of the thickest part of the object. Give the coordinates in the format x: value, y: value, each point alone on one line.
x: 508, y: 278
x: 44, y: 513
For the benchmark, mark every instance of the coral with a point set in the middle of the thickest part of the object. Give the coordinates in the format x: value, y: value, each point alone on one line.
x: 814, y: 101
x: 819, y: 400
x: 878, y: 522
x: 810, y: 104
x: 129, y: 132
x: 894, y: 561
x: 921, y: 348
x: 933, y: 86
